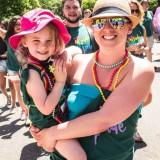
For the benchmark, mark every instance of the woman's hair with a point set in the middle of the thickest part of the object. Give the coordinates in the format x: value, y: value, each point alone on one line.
x: 12, y: 24
x: 141, y: 11
x: 5, y: 24
x: 23, y: 52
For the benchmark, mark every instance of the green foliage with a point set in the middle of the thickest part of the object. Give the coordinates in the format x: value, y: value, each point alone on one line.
x: 9, y: 8
x: 88, y: 4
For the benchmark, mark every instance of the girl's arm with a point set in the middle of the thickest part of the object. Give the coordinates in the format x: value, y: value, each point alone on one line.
x: 35, y: 88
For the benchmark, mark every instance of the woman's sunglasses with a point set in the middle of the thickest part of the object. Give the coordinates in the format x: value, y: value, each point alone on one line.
x: 115, y: 22
x: 135, y: 10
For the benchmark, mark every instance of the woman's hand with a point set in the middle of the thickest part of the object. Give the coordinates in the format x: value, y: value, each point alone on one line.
x: 45, y: 139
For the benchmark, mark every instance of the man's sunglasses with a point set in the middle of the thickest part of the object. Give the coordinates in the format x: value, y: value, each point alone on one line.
x: 115, y: 22
x: 135, y: 10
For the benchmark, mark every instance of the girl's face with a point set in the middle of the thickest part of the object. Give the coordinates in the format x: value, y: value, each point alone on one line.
x: 17, y: 26
x: 41, y: 44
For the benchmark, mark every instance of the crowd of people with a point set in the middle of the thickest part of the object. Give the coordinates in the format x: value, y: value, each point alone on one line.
x: 82, y: 75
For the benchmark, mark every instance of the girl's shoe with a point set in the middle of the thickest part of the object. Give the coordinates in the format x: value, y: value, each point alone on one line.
x: 27, y: 121
x: 23, y: 116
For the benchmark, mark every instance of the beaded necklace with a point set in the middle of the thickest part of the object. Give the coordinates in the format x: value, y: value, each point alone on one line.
x: 106, y: 66
x: 48, y: 80
x: 117, y: 70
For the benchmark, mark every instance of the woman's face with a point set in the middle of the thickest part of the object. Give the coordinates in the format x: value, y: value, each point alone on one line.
x: 134, y: 9
x: 41, y: 44
x: 114, y: 35
x: 17, y: 26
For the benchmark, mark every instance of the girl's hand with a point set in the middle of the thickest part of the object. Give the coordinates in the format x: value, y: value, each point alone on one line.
x: 60, y: 72
x: 34, y: 130
x: 46, y: 139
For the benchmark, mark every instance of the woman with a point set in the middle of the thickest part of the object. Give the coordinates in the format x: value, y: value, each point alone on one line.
x: 104, y: 87
x: 13, y: 67
x: 137, y: 40
x: 3, y: 66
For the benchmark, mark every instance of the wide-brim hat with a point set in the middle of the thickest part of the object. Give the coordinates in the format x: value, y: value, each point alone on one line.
x: 111, y: 8
x: 33, y: 21
x: 143, y: 1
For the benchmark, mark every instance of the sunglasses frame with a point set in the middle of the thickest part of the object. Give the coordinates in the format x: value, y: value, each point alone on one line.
x: 134, y: 10
x: 125, y: 19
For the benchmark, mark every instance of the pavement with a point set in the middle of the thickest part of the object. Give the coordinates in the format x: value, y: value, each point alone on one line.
x: 16, y: 142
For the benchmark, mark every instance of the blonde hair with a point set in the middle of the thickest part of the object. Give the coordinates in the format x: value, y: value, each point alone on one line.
x: 140, y: 8
x: 23, y: 52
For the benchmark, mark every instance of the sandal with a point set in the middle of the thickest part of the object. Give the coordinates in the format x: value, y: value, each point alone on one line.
x: 138, y: 138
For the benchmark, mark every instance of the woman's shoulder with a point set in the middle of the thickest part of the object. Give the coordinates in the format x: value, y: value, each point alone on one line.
x: 142, y: 65
x: 82, y: 57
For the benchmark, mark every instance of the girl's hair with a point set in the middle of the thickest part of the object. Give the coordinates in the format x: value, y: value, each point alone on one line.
x: 12, y: 24
x: 23, y: 52
x: 141, y: 11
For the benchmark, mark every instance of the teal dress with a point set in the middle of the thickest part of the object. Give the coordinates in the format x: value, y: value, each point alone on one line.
x: 12, y: 61
x: 116, y: 143
x: 147, y: 22
x: 36, y: 117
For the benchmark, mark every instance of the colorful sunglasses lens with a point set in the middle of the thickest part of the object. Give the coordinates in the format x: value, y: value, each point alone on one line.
x: 98, y: 23
x: 115, y: 23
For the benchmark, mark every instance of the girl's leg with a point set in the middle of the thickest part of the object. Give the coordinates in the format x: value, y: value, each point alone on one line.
x: 71, y: 149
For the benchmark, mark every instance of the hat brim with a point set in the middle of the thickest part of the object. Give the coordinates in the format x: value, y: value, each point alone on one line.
x: 15, y: 39
x: 88, y: 21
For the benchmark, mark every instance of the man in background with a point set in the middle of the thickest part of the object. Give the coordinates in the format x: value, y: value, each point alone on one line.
x: 81, y: 36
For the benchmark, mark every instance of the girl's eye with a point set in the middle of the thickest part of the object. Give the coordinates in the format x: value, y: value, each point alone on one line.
x: 35, y: 40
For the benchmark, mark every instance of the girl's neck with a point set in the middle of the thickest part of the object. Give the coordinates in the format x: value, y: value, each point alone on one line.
x: 32, y: 59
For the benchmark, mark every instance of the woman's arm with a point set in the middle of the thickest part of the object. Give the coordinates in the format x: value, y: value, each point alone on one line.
x: 123, y: 101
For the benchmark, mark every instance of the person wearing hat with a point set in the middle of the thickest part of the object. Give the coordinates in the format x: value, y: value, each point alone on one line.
x: 42, y: 37
x: 104, y: 92
x: 81, y: 35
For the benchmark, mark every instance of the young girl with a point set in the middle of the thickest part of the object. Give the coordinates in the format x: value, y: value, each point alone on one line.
x: 43, y: 36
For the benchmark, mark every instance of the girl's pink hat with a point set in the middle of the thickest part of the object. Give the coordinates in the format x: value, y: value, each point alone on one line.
x: 34, y: 21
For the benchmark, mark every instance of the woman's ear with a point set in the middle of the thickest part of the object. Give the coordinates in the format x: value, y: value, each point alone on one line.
x: 23, y: 41
x: 130, y: 28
